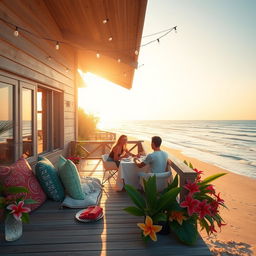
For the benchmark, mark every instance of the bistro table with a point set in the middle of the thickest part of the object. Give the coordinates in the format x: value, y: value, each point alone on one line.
x: 128, y: 173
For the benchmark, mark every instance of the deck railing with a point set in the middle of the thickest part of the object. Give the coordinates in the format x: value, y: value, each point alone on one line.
x: 94, y: 149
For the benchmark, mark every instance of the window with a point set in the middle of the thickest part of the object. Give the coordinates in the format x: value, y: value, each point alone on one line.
x: 27, y: 122
x: 49, y: 120
x: 42, y: 116
x: 6, y: 123
x: 31, y: 119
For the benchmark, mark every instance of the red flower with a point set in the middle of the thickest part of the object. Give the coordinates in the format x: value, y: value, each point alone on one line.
x: 214, y: 207
x: 211, y: 189
x: 191, y: 204
x: 192, y: 188
x: 198, y: 172
x: 220, y: 224
x: 219, y: 200
x: 212, y: 229
x: 203, y: 209
x: 17, y: 209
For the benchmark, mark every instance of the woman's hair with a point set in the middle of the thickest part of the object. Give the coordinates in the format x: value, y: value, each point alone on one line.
x: 119, y: 139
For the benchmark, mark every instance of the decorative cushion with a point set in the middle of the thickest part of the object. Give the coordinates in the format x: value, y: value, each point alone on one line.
x: 92, y: 198
x: 62, y: 160
x: 48, y: 178
x: 71, y: 180
x: 20, y: 174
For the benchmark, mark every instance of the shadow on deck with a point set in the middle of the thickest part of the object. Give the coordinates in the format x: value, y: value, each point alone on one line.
x: 54, y: 231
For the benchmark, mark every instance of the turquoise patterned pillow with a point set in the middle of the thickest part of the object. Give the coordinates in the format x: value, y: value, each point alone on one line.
x: 49, y: 180
x: 71, y: 180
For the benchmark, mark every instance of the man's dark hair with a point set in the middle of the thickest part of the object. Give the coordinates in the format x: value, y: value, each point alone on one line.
x: 157, y: 141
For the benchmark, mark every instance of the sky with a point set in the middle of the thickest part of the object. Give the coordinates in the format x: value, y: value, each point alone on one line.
x: 206, y: 71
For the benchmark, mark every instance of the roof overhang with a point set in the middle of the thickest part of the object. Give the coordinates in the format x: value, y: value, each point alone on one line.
x: 81, y: 25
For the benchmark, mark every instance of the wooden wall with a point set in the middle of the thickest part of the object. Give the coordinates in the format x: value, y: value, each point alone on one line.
x: 26, y: 56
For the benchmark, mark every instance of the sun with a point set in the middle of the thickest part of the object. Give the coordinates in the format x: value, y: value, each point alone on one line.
x: 103, y: 99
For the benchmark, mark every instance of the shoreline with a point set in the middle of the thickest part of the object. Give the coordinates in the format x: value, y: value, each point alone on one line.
x: 238, y: 236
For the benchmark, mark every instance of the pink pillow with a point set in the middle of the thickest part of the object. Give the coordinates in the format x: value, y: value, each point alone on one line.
x: 20, y: 174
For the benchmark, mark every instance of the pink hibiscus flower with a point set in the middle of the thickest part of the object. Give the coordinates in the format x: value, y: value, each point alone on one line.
x: 18, y: 209
x: 191, y: 204
x: 203, y: 209
x: 192, y: 188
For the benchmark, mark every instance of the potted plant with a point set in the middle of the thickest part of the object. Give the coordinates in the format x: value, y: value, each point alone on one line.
x: 200, y: 208
x: 152, y: 205
x: 12, y: 205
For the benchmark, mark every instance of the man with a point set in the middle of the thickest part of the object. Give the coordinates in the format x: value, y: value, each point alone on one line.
x: 156, y: 160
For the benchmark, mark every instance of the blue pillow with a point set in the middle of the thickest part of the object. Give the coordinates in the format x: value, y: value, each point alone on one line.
x: 71, y: 180
x: 49, y: 179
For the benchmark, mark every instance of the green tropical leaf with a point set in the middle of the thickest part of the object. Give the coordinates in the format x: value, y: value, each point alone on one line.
x: 135, y: 196
x: 25, y: 217
x: 134, y: 211
x: 174, y: 184
x: 191, y: 166
x: 159, y: 217
x: 150, y: 192
x: 211, y: 178
x: 30, y: 201
x: 187, y: 232
x: 167, y: 198
x: 16, y: 190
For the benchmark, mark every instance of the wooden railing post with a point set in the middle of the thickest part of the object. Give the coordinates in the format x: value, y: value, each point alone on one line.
x: 186, y: 174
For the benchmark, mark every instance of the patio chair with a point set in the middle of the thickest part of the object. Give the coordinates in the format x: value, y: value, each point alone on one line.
x: 162, y: 179
x: 109, y: 167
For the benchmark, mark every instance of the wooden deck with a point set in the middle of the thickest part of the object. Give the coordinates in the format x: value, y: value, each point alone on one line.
x: 54, y: 231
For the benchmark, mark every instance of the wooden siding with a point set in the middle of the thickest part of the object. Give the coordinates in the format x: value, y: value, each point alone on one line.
x: 26, y: 56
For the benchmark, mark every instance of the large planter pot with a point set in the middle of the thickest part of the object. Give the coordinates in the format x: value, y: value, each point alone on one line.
x: 13, y: 228
x: 165, y: 227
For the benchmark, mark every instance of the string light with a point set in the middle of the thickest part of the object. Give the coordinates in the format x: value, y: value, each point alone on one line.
x: 49, y: 58
x: 118, y: 60
x: 105, y: 21
x: 110, y: 39
x: 57, y: 46
x: 16, y: 32
x: 67, y: 70
x: 97, y: 55
x: 136, y: 52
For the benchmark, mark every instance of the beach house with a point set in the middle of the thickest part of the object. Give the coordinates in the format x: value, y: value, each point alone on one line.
x: 43, y: 45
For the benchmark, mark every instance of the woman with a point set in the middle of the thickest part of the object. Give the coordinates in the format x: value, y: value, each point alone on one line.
x: 120, y: 150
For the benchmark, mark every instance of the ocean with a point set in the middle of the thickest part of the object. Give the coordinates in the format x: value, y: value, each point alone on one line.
x: 227, y: 144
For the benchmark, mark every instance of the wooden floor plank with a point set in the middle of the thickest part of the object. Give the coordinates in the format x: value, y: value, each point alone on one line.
x: 54, y: 231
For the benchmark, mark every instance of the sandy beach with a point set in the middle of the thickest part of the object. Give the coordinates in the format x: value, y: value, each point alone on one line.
x: 238, y: 237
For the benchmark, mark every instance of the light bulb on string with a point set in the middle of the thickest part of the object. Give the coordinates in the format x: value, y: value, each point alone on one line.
x: 175, y: 29
x: 97, y: 55
x: 158, y: 40
x: 57, y: 46
x: 49, y: 58
x: 110, y: 38
x: 16, y: 32
x: 118, y: 60
x: 67, y: 70
x: 105, y: 21
x: 136, y: 52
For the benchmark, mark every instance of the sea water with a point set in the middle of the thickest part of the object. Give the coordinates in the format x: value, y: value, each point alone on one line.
x: 227, y: 144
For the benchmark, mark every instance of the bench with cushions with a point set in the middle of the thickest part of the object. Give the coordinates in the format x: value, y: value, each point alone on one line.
x: 62, y: 184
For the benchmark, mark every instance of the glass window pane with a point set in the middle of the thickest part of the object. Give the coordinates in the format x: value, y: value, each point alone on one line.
x: 42, y: 130
x: 27, y: 127
x: 6, y: 124
x: 57, y: 111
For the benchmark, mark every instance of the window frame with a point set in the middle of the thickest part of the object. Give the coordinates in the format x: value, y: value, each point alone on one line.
x: 18, y: 83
